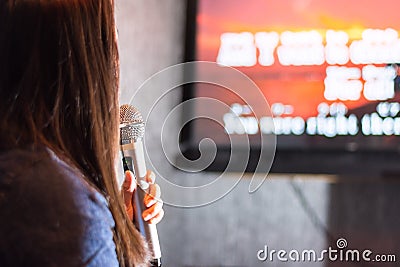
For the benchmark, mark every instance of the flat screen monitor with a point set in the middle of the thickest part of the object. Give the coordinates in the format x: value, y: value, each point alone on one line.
x: 329, y: 71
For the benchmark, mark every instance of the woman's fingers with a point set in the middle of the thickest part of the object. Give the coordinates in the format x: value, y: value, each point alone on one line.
x: 128, y: 187
x: 156, y: 219
x: 154, y: 205
x: 150, y: 177
x: 153, y: 195
x: 154, y: 212
x: 129, y: 184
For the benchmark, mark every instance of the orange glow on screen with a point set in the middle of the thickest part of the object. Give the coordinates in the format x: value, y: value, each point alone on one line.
x: 285, y: 83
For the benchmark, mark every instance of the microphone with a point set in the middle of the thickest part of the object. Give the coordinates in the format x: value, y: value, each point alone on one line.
x: 131, y: 134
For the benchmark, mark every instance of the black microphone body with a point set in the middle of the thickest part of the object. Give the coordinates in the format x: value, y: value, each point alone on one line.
x: 132, y: 132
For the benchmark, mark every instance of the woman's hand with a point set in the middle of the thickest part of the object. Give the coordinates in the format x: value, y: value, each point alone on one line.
x: 154, y: 211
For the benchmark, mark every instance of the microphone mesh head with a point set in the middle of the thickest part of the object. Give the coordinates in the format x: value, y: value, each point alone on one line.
x: 131, y: 123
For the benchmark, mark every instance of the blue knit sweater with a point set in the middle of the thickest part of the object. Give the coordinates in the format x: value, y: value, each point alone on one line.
x: 50, y: 215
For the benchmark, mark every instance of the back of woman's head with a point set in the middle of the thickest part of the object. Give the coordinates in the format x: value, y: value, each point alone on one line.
x: 59, y: 88
x: 58, y: 71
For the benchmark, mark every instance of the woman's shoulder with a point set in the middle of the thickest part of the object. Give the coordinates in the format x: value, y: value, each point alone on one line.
x: 41, y: 173
x: 54, y: 217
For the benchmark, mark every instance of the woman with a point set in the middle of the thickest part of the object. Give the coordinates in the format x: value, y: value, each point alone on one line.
x: 59, y: 199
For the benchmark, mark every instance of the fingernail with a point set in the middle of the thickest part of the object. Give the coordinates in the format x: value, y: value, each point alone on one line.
x: 147, y: 217
x: 151, y: 203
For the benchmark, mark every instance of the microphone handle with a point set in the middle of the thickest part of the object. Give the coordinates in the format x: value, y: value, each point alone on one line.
x: 133, y: 160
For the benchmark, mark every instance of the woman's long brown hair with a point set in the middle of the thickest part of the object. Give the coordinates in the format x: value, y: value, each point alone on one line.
x: 59, y: 88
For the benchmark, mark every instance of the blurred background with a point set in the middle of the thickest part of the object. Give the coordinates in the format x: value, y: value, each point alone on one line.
x: 289, y: 212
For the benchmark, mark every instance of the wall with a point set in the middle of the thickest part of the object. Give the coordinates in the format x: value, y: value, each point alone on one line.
x: 287, y: 212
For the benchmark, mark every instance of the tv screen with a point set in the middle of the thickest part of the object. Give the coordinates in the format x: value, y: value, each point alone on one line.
x: 328, y: 69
